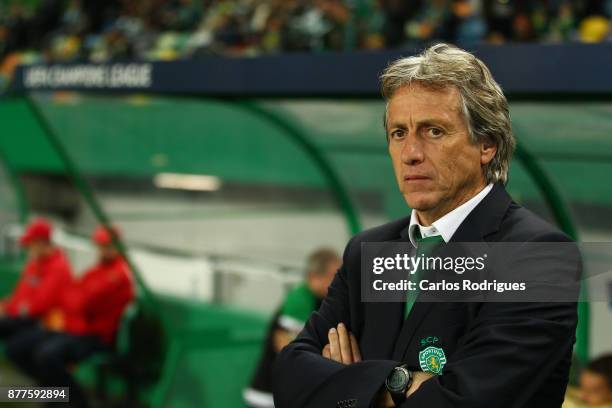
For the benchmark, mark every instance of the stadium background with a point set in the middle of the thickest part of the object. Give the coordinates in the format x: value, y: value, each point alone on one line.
x: 224, y: 170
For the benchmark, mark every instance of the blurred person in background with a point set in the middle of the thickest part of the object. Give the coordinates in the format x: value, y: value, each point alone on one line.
x: 371, y: 25
x: 398, y: 13
x: 431, y: 22
x: 44, y: 275
x: 595, y: 385
x: 85, y: 321
x: 315, y: 26
x: 289, y: 320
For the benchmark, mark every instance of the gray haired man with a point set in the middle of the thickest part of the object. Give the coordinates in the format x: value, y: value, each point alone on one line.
x: 450, y: 142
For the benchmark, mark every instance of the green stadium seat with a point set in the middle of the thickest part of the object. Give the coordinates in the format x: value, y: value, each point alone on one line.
x: 136, y: 357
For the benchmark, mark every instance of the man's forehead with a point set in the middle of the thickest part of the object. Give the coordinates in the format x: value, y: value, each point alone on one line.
x: 419, y: 94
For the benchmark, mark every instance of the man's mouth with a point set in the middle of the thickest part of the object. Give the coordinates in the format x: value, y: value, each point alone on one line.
x: 415, y: 178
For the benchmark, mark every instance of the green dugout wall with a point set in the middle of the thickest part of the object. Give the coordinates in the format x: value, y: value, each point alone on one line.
x: 330, y: 154
x: 569, y: 139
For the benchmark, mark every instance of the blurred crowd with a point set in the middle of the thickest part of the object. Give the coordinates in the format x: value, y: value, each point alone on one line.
x: 98, y: 31
x: 33, y: 31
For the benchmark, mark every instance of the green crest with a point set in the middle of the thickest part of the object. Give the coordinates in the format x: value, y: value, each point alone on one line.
x: 432, y: 359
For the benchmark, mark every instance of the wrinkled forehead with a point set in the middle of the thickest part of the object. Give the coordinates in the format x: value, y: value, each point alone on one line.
x: 416, y: 100
x: 446, y: 95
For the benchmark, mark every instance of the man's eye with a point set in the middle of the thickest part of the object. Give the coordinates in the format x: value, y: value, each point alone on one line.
x: 397, y: 134
x: 434, y: 132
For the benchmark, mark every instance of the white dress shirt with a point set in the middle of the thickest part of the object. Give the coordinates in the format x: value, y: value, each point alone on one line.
x: 448, y: 224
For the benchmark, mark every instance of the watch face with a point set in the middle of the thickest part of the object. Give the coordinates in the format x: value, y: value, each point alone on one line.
x: 398, y: 380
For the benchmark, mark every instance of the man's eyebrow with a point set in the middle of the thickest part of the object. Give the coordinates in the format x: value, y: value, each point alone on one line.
x: 421, y: 122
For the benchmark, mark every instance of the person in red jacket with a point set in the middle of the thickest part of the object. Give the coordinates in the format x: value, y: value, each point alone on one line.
x: 85, y: 321
x: 94, y: 304
x: 45, y: 274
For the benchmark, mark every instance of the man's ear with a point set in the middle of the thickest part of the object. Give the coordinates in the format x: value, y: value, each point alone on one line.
x: 488, y: 149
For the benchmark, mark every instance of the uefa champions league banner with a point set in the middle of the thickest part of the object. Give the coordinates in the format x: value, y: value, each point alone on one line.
x: 130, y: 76
x: 520, y: 69
x: 302, y: 74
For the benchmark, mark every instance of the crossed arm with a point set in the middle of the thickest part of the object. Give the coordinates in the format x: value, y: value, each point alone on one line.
x: 343, y: 348
x: 494, y: 363
x: 327, y: 359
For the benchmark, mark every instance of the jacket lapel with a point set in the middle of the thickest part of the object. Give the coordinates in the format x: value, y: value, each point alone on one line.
x: 484, y: 220
x: 384, y: 317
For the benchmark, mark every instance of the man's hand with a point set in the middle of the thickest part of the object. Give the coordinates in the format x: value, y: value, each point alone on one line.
x: 342, y: 346
x: 418, y: 378
x: 280, y: 338
x: 54, y: 320
x: 2, y: 313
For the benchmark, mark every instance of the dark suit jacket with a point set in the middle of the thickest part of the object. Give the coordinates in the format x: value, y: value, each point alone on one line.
x: 512, y: 354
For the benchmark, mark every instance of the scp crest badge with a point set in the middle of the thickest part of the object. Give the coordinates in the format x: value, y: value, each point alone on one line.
x: 432, y: 359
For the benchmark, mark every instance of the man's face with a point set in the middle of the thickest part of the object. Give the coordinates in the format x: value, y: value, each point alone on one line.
x: 107, y: 252
x: 594, y: 389
x: 319, y: 283
x: 37, y: 248
x: 436, y: 165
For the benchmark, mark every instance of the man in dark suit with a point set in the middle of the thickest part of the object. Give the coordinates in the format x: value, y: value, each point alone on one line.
x: 450, y: 141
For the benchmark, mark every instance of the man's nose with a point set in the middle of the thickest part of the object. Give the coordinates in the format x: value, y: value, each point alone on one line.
x: 412, y: 150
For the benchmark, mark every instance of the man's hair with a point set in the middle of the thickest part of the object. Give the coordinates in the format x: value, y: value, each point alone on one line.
x: 319, y: 260
x: 603, y: 367
x: 482, y: 101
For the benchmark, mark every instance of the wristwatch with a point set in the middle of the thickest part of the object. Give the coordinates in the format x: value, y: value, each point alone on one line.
x: 398, y: 382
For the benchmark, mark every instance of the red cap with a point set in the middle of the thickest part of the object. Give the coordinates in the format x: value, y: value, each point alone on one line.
x: 39, y: 229
x: 104, y: 236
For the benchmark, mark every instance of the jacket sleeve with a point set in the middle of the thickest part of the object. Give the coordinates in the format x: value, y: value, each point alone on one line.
x: 108, y: 287
x: 46, y: 296
x: 509, y: 351
x: 303, y: 378
x: 11, y: 303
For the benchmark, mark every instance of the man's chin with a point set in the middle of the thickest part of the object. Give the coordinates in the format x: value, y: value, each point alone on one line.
x: 420, y: 201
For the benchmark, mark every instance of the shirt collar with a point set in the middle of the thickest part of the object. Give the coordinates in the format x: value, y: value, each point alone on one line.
x: 448, y: 224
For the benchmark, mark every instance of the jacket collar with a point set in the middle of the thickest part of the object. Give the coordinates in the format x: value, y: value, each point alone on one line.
x: 486, y: 218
